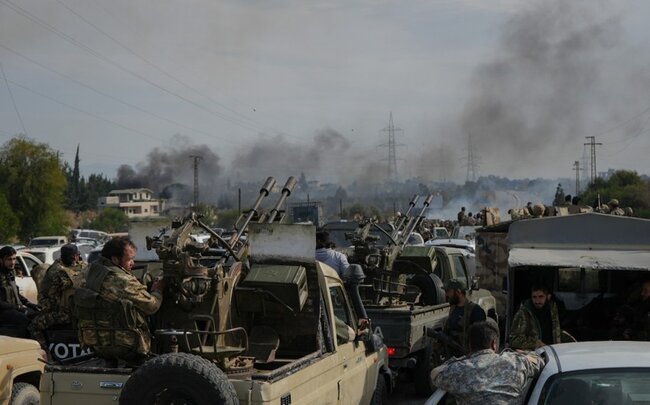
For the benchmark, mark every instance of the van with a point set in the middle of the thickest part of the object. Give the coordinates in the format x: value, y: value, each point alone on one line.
x: 47, y: 241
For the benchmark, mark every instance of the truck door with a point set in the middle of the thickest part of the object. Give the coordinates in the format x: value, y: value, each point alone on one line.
x: 353, y: 383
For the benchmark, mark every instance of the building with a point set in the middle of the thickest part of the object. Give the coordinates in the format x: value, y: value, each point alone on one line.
x: 134, y: 202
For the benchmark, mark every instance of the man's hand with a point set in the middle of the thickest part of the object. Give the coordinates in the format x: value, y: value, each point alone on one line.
x: 158, y: 285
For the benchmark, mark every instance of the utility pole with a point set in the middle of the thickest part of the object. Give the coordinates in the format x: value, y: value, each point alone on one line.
x: 576, y: 167
x: 472, y: 160
x: 196, y: 159
x: 592, y: 143
x: 392, y: 146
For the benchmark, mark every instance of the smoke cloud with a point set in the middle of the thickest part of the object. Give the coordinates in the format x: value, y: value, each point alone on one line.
x: 174, y: 165
x: 280, y: 157
x: 542, y: 89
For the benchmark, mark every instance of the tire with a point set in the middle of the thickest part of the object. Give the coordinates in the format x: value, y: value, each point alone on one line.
x: 178, y: 378
x: 422, y: 372
x: 380, y: 396
x: 24, y: 394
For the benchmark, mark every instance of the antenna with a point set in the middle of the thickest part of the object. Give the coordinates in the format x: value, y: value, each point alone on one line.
x: 196, y: 159
x: 592, y: 143
x: 392, y: 148
x: 472, y: 160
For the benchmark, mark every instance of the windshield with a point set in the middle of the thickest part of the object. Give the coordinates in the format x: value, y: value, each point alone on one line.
x: 43, y: 242
x: 617, y: 386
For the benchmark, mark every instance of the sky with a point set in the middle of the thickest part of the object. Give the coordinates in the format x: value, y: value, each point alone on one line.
x: 270, y: 87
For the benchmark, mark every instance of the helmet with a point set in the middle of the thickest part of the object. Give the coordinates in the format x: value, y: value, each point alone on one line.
x: 613, y: 202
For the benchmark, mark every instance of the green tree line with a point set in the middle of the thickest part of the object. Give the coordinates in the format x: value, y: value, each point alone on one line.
x: 624, y: 185
x: 38, y: 187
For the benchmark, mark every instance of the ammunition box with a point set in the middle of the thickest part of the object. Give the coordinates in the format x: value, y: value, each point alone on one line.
x: 285, y: 283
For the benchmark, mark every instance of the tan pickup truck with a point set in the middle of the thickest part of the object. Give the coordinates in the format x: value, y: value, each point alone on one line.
x: 304, y: 344
x: 21, y: 365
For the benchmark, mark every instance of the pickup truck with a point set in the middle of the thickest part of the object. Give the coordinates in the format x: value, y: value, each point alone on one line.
x: 298, y: 338
x: 21, y: 365
x: 403, y: 327
x: 403, y: 293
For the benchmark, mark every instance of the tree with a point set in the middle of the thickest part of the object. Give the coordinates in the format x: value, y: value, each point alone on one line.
x: 110, y: 220
x: 624, y: 185
x: 34, y: 185
x: 9, y: 228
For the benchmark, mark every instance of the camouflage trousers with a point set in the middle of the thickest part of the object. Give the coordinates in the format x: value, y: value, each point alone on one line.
x: 43, y: 322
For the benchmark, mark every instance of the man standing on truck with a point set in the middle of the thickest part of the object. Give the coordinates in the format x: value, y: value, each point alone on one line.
x: 113, y: 306
x: 462, y: 314
x: 537, y: 322
x: 55, y: 292
x: 329, y: 256
x: 15, y: 309
x: 486, y: 376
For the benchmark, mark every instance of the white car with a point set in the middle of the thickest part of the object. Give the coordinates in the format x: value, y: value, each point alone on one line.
x: 609, y: 372
x: 26, y: 284
x: 45, y: 254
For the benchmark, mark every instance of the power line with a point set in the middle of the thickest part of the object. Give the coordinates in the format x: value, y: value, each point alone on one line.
x: 13, y: 101
x: 392, y: 148
x: 592, y: 143
x: 103, y: 58
x: 156, y: 67
x: 84, y: 111
x: 108, y: 95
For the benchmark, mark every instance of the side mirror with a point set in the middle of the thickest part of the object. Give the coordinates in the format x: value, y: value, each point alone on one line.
x: 475, y: 283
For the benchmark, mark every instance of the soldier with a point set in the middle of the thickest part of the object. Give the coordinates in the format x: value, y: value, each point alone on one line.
x: 462, y: 314
x: 461, y: 216
x: 614, y: 209
x: 55, y: 291
x: 485, y: 376
x: 111, y: 309
x: 329, y: 256
x: 15, y: 309
x: 537, y: 322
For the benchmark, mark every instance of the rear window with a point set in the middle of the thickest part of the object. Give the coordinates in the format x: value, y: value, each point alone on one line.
x: 43, y: 242
x: 616, y: 386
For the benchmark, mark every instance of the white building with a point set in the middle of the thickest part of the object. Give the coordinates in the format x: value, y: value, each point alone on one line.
x: 134, y: 202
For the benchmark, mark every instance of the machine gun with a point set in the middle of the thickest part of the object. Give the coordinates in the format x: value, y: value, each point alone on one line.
x: 195, y: 315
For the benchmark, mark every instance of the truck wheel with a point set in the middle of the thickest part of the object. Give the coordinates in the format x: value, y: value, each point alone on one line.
x: 178, y: 378
x: 24, y: 394
x: 422, y: 372
x: 380, y: 396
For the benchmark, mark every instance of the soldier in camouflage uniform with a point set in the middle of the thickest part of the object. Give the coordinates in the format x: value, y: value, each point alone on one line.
x: 614, y: 209
x: 55, y: 291
x: 485, y: 376
x: 537, y: 322
x: 15, y: 309
x: 112, y: 307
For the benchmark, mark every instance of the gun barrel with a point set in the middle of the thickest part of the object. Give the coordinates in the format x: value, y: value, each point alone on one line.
x: 414, y: 221
x: 412, y: 203
x: 286, y: 192
x: 264, y: 192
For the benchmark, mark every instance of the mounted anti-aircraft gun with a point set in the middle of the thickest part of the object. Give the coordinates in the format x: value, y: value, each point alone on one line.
x: 197, y: 299
x: 389, y: 286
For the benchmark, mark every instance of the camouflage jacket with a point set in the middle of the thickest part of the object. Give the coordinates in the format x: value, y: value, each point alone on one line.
x: 120, y: 286
x: 526, y: 331
x: 58, y: 285
x: 10, y: 296
x: 486, y: 377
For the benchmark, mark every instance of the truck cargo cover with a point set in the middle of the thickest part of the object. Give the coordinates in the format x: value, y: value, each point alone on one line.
x: 591, y: 240
x: 595, y: 259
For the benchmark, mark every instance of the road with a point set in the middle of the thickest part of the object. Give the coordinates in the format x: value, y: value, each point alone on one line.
x: 404, y: 394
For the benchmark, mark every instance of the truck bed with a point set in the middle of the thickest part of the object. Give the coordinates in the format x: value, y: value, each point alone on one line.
x: 403, y: 327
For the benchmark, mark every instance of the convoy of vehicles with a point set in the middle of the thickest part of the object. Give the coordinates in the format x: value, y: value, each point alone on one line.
x: 403, y: 293
x: 263, y: 324
x: 587, y: 373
